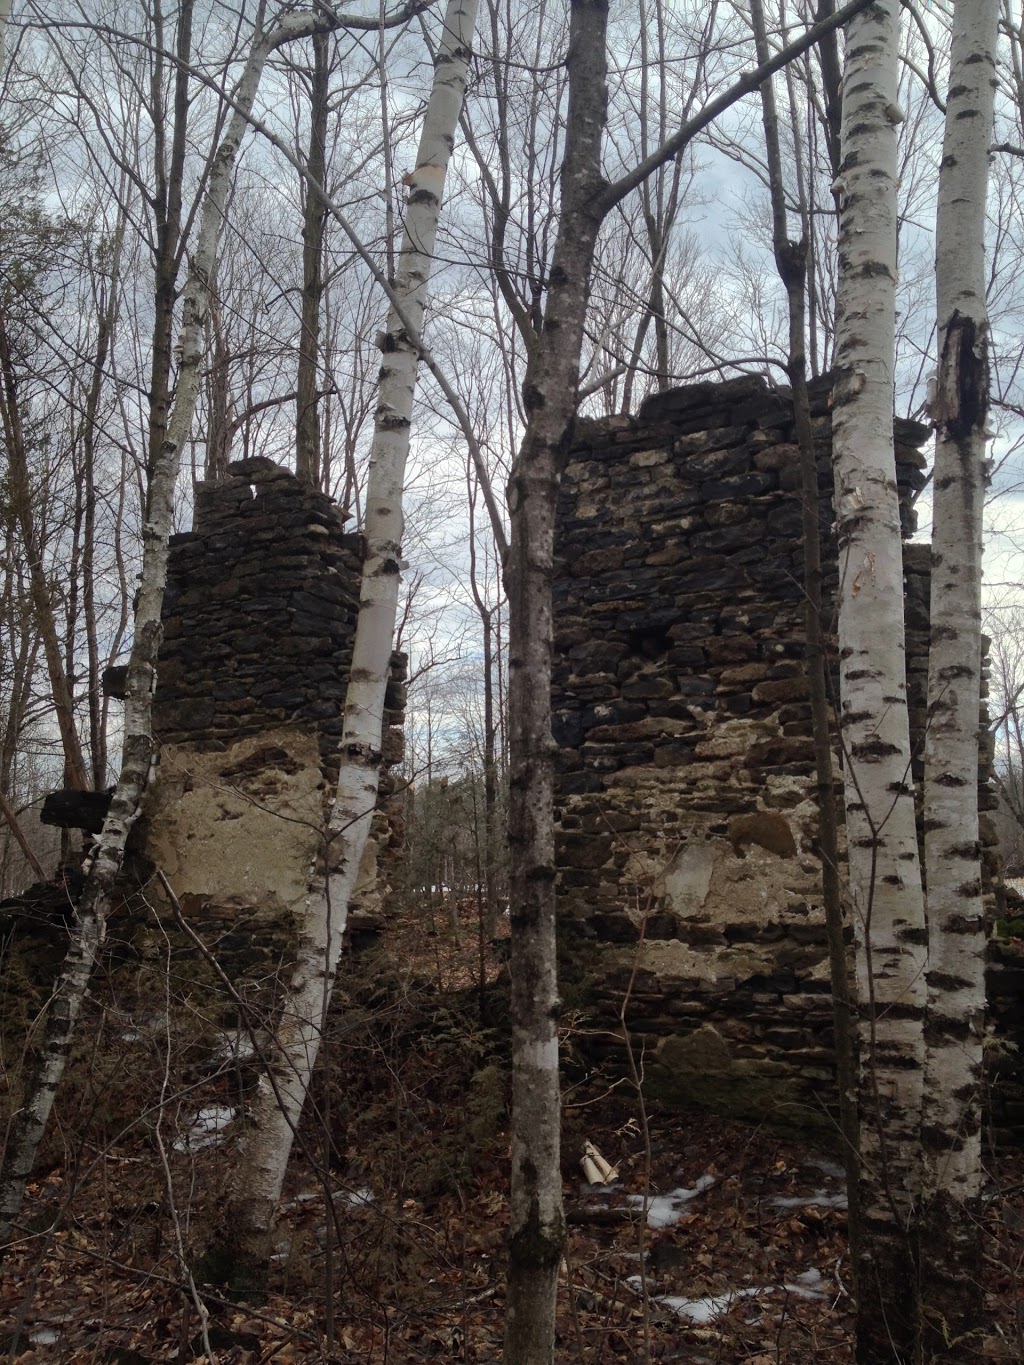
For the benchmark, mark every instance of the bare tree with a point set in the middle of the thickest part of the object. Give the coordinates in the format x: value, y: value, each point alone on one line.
x: 951, y: 1119
x: 550, y: 395
x: 791, y: 262
x: 884, y: 868
x: 277, y: 1106
x: 138, y: 750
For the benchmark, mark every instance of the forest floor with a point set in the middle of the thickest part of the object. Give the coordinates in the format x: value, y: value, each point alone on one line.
x: 718, y: 1244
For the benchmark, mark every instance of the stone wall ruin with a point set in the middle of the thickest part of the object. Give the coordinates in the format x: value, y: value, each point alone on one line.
x: 259, y: 620
x: 685, y: 805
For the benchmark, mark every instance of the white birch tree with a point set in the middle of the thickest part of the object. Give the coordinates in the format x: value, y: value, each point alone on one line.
x: 951, y: 1224
x: 138, y: 751
x: 884, y: 866
x: 5, y: 16
x: 277, y: 1106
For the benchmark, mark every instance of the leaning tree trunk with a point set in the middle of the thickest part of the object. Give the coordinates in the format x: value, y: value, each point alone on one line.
x: 549, y: 397
x: 277, y: 1105
x: 29, y: 1122
x: 951, y: 1133
x: 884, y: 866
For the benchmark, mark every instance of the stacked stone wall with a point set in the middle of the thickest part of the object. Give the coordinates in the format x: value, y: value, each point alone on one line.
x: 259, y: 617
x: 686, y: 812
x: 259, y: 622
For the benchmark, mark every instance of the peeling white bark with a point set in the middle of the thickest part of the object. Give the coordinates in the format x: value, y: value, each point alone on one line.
x: 277, y: 1105
x: 951, y: 1132
x: 884, y: 867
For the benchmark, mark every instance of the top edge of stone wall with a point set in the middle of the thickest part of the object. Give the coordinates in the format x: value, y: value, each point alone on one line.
x: 252, y: 486
x: 743, y: 399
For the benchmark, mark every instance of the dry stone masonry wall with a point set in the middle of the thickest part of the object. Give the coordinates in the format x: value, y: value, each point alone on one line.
x: 259, y: 621
x: 685, y: 787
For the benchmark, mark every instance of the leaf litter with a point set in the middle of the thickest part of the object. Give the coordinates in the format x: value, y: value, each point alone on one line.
x: 393, y: 1244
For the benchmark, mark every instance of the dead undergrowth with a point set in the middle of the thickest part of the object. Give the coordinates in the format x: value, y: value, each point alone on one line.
x: 391, y: 1240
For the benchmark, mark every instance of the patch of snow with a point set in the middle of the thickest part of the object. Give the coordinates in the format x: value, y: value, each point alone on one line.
x: 819, y: 1198
x: 665, y: 1209
x: 709, y: 1307
x: 44, y: 1336
x: 142, y: 1028
x: 809, y: 1285
x: 206, y: 1129
x: 360, y: 1198
x: 827, y: 1166
x: 702, y: 1310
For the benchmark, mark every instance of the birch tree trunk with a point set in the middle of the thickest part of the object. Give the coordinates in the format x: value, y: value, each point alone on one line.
x: 951, y: 1130
x: 277, y: 1104
x: 29, y: 1122
x: 537, y: 1229
x: 791, y: 262
x: 5, y: 14
x: 884, y: 865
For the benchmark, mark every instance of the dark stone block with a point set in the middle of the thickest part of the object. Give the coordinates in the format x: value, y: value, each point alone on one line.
x: 284, y: 701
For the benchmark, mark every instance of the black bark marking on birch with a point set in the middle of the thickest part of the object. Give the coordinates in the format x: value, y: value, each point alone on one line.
x: 947, y: 1031
x: 960, y: 924
x: 950, y: 780
x: 946, y: 981
x: 543, y: 873
x: 915, y: 934
x: 968, y: 366
x: 970, y: 850
x: 856, y: 717
x: 935, y: 1138
x: 874, y: 750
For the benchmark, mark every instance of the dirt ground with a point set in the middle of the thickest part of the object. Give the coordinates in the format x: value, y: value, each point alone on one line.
x: 717, y: 1242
